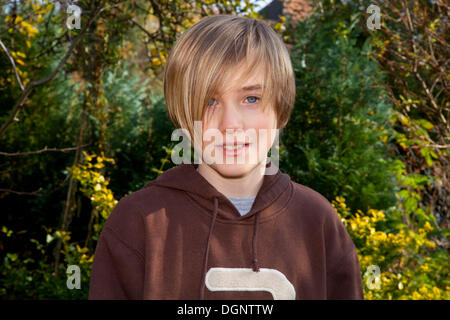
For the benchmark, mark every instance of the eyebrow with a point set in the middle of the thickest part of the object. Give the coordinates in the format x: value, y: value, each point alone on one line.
x: 251, y: 87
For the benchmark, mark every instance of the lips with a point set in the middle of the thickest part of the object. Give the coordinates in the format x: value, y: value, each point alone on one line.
x: 234, y: 146
x: 233, y: 149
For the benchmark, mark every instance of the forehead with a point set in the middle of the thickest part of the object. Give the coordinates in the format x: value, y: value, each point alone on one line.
x: 241, y: 79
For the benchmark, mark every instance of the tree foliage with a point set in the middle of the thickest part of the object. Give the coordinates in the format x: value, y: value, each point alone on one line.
x: 335, y: 140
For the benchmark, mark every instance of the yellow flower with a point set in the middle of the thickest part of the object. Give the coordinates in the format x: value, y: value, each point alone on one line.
x: 430, y: 244
x: 425, y: 268
x: 416, y: 296
x: 437, y: 292
x: 427, y: 226
x: 18, y: 20
x: 30, y: 29
x: 156, y: 62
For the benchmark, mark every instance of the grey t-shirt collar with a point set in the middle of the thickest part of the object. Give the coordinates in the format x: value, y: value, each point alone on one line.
x: 243, y: 204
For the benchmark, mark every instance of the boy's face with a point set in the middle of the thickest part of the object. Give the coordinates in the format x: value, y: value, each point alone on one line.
x: 238, y: 111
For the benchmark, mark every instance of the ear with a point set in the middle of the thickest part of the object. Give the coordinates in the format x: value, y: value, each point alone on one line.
x: 283, y: 124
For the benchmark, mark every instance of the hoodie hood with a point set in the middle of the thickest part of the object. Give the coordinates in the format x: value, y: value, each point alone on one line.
x: 202, y: 192
x: 206, y: 195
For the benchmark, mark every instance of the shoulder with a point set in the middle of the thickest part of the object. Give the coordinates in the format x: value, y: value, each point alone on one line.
x: 127, y: 220
x: 313, y: 205
x: 317, y: 212
x: 132, y: 208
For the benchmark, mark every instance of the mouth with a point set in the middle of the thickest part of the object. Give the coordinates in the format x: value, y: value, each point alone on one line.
x: 234, y: 148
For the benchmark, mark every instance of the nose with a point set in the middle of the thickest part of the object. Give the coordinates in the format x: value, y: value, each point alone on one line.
x: 231, y: 118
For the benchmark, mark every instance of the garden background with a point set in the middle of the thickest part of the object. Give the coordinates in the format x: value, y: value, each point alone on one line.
x: 83, y: 124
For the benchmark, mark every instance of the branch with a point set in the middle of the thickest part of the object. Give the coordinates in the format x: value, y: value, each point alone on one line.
x: 49, y: 48
x: 36, y: 193
x: 151, y: 36
x: 41, y: 151
x: 427, y: 92
x: 438, y: 146
x: 25, y: 92
x: 33, y: 193
x: 114, y: 6
x: 13, y: 63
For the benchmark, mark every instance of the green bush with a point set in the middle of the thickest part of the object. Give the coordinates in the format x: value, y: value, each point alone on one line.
x: 334, y: 139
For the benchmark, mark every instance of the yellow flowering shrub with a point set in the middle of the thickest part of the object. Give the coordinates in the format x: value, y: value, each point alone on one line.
x: 94, y: 186
x: 93, y: 183
x: 23, y: 26
x: 410, y: 263
x: 72, y: 252
x: 34, y: 279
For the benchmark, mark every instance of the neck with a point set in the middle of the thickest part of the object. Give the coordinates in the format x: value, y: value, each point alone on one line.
x: 243, y: 186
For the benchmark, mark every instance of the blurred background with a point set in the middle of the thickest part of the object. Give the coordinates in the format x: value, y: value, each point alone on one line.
x: 83, y: 123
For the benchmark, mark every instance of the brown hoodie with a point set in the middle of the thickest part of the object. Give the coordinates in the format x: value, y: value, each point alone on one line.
x: 180, y: 238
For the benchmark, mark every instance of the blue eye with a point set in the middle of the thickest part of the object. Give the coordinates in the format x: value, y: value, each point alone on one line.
x: 211, y: 104
x: 256, y: 98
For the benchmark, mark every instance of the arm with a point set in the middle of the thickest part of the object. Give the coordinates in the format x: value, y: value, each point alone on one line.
x: 344, y: 282
x: 118, y: 267
x: 343, y: 272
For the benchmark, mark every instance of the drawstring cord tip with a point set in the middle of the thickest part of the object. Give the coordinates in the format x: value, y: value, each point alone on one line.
x: 255, y: 266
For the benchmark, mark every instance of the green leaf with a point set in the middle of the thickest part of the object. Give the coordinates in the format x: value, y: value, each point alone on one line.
x: 49, y: 238
x: 425, y: 124
x: 410, y: 204
x: 12, y: 256
x: 433, y: 154
x: 404, y: 194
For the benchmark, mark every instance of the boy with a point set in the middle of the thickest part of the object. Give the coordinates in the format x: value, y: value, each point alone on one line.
x: 224, y: 229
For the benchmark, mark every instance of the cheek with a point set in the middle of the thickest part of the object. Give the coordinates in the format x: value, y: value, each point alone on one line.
x: 209, y: 133
x: 206, y: 140
x: 261, y: 119
x: 265, y: 126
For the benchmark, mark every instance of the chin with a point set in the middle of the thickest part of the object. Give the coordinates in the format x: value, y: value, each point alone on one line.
x: 233, y: 170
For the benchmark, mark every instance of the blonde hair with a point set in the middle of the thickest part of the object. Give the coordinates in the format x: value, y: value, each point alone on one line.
x: 201, y: 60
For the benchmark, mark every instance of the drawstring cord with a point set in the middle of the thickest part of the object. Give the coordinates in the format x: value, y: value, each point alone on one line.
x: 255, y: 230
x: 205, y: 259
